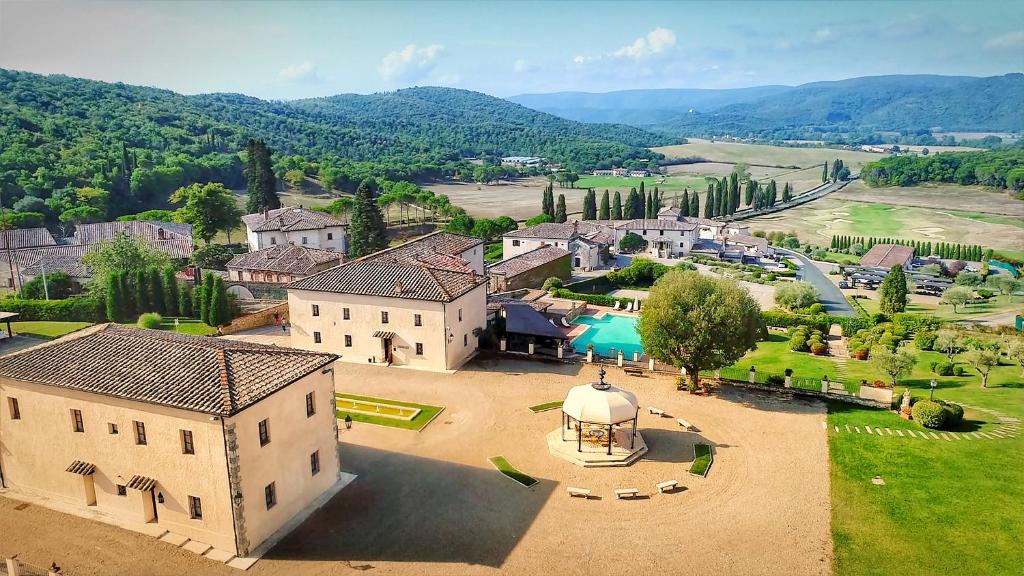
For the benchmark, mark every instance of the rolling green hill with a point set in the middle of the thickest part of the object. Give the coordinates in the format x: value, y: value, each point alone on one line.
x: 58, y: 134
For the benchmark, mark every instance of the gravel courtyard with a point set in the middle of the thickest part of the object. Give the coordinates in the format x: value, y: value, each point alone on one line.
x: 430, y: 503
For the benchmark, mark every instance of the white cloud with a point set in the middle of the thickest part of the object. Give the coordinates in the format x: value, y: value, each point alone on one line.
x: 1009, y: 41
x: 823, y: 35
x: 410, y: 63
x: 654, y: 42
x: 521, y: 65
x: 304, y: 72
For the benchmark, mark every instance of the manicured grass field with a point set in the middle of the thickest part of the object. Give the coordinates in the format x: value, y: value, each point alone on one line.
x: 663, y: 183
x: 509, y: 470
x: 701, y: 460
x: 188, y: 326
x: 545, y: 406
x: 946, y: 507
x: 47, y: 330
x: 426, y: 415
x: 995, y: 305
x: 765, y: 155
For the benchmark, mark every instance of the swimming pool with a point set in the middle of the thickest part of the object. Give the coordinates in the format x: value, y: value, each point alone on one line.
x: 607, y: 332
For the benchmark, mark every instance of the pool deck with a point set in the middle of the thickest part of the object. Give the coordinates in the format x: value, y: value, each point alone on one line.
x: 597, y: 312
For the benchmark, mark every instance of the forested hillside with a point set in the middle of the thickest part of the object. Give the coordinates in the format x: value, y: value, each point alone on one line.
x: 132, y: 146
x: 860, y: 106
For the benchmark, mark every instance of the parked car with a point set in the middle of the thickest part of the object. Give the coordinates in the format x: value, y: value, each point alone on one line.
x: 844, y: 284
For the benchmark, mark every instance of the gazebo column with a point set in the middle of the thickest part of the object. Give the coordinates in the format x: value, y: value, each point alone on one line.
x: 632, y: 437
x: 579, y: 436
x: 610, y: 439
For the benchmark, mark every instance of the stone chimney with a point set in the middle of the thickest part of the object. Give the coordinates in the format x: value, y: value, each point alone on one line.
x: 398, y: 287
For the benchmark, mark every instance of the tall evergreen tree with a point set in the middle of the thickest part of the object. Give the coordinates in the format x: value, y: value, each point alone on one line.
x: 787, y: 192
x: 604, y: 212
x: 734, y: 192
x: 219, y: 313
x: 140, y: 292
x: 114, y: 298
x: 641, y: 190
x: 203, y: 298
x: 684, y: 206
x: 748, y: 194
x: 367, y: 232
x: 126, y: 294
x: 260, y: 178
x: 694, y: 205
x: 656, y: 203
x: 824, y: 172
x: 893, y: 292
x: 548, y: 200
x: 590, y: 205
x: 629, y: 211
x: 709, y: 201
x: 170, y: 292
x: 770, y: 194
x: 833, y: 245
x: 560, y: 213
x: 156, y: 290
x: 642, y: 205
x: 185, y: 302
x: 649, y: 208
x: 617, y: 206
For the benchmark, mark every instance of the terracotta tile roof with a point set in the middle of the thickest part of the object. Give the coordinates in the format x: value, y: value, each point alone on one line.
x: 527, y: 261
x: 428, y: 268
x: 745, y: 240
x: 61, y: 258
x: 197, y: 373
x: 170, y: 237
x: 26, y: 238
x: 887, y: 256
x: 290, y: 218
x: 289, y: 259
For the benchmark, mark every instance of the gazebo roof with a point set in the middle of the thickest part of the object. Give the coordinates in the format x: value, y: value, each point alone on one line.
x: 600, y: 403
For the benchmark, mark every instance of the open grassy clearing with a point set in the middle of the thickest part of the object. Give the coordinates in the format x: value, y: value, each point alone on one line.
x: 545, y: 406
x: 938, y: 510
x: 765, y: 155
x: 503, y: 466
x: 918, y: 304
x: 188, y: 326
x: 973, y: 199
x: 802, y: 179
x: 623, y: 184
x: 520, y: 199
x: 835, y: 214
x: 426, y: 415
x: 47, y: 330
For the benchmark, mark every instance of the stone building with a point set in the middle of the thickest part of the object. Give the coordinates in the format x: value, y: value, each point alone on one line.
x: 291, y: 225
x: 530, y: 269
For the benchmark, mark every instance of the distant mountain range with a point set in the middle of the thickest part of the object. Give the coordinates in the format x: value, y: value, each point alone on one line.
x: 881, y: 103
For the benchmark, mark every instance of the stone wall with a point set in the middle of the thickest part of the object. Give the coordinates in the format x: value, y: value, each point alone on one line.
x: 534, y: 277
x: 266, y: 317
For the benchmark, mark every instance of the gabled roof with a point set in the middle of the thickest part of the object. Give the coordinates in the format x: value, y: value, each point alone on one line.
x: 170, y: 237
x: 286, y: 258
x: 289, y: 218
x: 527, y: 260
x: 524, y: 319
x: 428, y: 268
x: 655, y: 224
x: 197, y: 373
x: 60, y: 258
x: 887, y: 256
x: 26, y: 238
x: 745, y: 240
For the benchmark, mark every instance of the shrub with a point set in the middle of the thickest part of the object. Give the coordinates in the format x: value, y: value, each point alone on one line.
x: 943, y: 368
x: 596, y: 299
x: 775, y: 380
x: 150, y: 320
x: 862, y: 353
x: 985, y: 293
x: 58, y: 286
x: 924, y: 340
x: 552, y: 283
x: 954, y: 414
x: 958, y: 371
x: 798, y: 342
x: 632, y: 243
x: 816, y: 309
x: 818, y: 349
x: 889, y: 341
x: 74, y: 309
x: 929, y: 414
x: 796, y: 295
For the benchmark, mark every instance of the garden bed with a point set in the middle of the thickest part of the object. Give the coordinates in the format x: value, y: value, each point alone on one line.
x: 545, y: 406
x: 510, y: 471
x: 392, y: 411
x: 702, y: 459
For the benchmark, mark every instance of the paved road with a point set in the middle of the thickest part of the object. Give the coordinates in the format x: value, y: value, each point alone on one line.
x: 830, y: 294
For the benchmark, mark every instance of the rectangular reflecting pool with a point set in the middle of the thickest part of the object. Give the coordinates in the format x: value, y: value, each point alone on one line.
x: 607, y: 332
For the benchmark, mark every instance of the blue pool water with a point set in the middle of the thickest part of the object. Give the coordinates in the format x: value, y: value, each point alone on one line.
x: 609, y: 331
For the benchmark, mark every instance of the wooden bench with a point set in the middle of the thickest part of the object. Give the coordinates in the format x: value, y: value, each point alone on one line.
x: 581, y: 492
x: 666, y: 485
x: 656, y: 411
x: 633, y: 371
x: 626, y: 493
x: 686, y: 425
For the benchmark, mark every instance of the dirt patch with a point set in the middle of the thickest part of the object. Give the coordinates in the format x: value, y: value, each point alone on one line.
x: 929, y: 232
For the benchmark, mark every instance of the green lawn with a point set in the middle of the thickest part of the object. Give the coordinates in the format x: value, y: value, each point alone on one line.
x: 426, y: 415
x: 509, y: 470
x: 990, y: 218
x: 840, y: 258
x: 492, y: 253
x: 995, y: 305
x: 545, y: 406
x: 188, y: 326
x: 946, y: 507
x: 47, y: 330
x: 701, y: 460
x: 664, y: 183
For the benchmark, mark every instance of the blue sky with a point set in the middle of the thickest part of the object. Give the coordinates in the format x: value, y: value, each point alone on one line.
x: 301, y: 49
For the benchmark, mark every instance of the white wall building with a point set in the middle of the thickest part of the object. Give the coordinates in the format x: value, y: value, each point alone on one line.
x: 588, y: 241
x: 296, y: 226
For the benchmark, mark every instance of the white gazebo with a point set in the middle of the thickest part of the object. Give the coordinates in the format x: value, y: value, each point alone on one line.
x: 602, y: 416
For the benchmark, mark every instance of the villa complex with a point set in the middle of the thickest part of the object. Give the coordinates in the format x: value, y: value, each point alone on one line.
x: 290, y: 225
x: 280, y: 264
x: 419, y: 305
x: 218, y: 441
x: 588, y: 241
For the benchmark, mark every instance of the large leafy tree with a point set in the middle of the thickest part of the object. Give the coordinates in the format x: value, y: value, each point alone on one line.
x: 893, y: 293
x: 367, y: 233
x: 123, y: 253
x: 209, y: 208
x: 260, y: 178
x: 698, y: 322
x: 894, y: 364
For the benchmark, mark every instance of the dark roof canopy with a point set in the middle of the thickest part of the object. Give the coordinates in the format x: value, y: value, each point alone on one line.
x: 523, y: 319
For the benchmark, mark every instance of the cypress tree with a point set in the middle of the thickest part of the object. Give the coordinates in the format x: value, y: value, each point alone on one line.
x: 261, y: 181
x: 156, y: 291
x: 560, y: 215
x: 367, y: 232
x: 694, y: 204
x: 113, y: 298
x: 656, y: 203
x: 170, y: 292
x: 684, y: 207
x: 958, y: 252
x: 649, y: 208
x: 748, y: 195
x: 589, y: 205
x: 219, y: 313
x: 126, y: 291
x: 629, y: 210
x: 617, y: 206
x: 787, y: 192
x: 709, y: 202
x: 206, y: 293
x: 641, y: 188
x: 605, y: 210
x: 824, y: 172
x: 643, y: 205
x: 185, y: 302
x: 833, y: 246
x: 141, y: 292
x: 548, y: 201
x: 928, y: 248
x: 893, y: 293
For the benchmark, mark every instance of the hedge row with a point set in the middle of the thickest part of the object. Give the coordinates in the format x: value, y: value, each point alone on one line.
x: 75, y: 309
x: 595, y: 285
x: 596, y: 299
x: 780, y: 319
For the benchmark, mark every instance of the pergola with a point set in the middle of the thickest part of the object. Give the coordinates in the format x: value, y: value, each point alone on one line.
x: 599, y: 404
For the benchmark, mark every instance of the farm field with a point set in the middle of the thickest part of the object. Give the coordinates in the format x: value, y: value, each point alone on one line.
x: 909, y: 213
x: 764, y: 155
x: 802, y: 179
